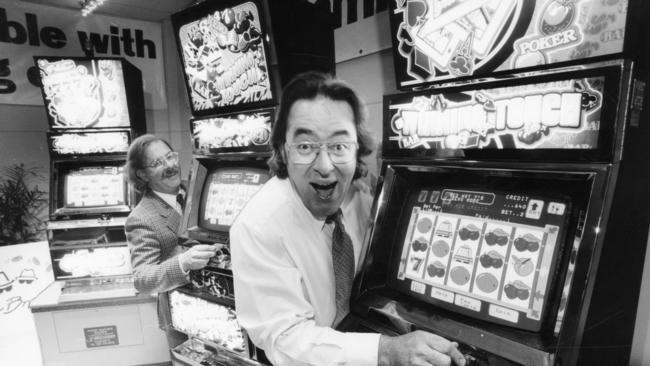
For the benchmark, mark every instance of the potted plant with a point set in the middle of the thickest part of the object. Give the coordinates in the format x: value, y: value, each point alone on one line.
x: 21, y: 205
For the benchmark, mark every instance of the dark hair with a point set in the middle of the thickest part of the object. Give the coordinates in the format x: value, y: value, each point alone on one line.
x: 309, y: 85
x: 135, y: 159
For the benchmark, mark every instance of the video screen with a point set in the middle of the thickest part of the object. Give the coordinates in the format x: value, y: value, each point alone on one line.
x: 232, y: 133
x: 224, y: 52
x: 225, y: 193
x: 95, y: 187
x: 84, y: 93
x: 436, y: 41
x: 484, y: 253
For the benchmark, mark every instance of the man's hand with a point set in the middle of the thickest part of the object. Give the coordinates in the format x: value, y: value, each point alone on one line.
x: 418, y: 348
x: 197, y: 256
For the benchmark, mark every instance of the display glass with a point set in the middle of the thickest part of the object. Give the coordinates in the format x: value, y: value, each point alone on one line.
x: 94, y: 187
x: 476, y: 249
x: 82, y: 188
x: 224, y: 52
x: 84, y: 93
x: 88, y: 143
x: 225, y: 193
x: 482, y: 251
x: 207, y: 320
x: 239, y: 132
x: 95, y: 262
x: 436, y: 40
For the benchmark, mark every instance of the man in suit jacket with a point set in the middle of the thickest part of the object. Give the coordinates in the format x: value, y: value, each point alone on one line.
x: 159, y: 262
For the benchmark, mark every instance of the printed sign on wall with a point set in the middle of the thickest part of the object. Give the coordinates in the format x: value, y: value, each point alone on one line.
x: 28, y: 30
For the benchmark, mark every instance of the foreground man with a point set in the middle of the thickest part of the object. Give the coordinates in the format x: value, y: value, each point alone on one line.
x: 298, y: 243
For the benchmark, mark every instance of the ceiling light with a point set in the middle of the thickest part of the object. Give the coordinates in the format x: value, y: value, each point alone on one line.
x: 87, y: 6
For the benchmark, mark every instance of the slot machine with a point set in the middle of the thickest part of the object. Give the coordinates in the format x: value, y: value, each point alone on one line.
x: 95, y: 107
x: 231, y: 64
x: 503, y: 216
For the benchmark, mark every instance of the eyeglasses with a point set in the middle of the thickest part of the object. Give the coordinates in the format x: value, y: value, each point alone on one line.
x: 170, y: 157
x: 340, y: 152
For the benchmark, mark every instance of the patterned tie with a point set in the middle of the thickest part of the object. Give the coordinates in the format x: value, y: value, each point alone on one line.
x: 343, y: 262
x: 180, y: 199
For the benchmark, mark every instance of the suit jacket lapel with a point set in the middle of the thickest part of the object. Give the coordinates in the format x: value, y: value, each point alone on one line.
x: 168, y: 213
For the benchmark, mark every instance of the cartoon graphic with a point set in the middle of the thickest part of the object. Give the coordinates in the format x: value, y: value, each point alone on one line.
x: 557, y: 16
x: 491, y: 259
x: 440, y: 248
x: 436, y: 269
x: 417, y: 262
x: 26, y: 276
x: 487, y: 282
x: 13, y: 304
x: 420, y: 244
x: 443, y: 39
x: 224, y: 58
x: 5, y: 283
x: 527, y: 242
x: 469, y: 232
x: 523, y: 266
x: 29, y: 278
x: 444, y: 229
x: 517, y: 290
x: 438, y: 38
x: 497, y: 236
x: 464, y: 255
x: 424, y: 225
x: 459, y: 275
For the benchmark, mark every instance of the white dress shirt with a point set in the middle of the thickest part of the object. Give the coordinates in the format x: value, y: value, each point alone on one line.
x: 284, y: 280
x: 170, y: 199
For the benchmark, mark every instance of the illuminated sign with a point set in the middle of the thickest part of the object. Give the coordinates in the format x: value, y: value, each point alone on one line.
x: 223, y: 54
x: 90, y: 143
x: 440, y: 39
x: 83, y: 94
x: 233, y: 131
x: 556, y: 115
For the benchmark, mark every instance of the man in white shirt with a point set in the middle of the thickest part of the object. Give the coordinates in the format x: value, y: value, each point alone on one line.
x: 286, y: 282
x: 159, y: 262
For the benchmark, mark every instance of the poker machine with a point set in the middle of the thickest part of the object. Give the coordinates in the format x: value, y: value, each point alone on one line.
x: 235, y: 56
x: 511, y: 214
x: 94, y: 108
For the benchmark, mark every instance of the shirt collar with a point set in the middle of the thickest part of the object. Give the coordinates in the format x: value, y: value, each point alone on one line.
x: 321, y: 224
x: 169, y: 199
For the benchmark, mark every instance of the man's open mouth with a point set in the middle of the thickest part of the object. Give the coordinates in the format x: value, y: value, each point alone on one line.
x: 324, y: 191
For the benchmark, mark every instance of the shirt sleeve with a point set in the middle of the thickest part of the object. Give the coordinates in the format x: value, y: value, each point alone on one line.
x: 151, y: 272
x: 275, y: 311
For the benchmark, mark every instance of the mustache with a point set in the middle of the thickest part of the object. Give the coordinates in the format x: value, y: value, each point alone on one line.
x: 171, y: 171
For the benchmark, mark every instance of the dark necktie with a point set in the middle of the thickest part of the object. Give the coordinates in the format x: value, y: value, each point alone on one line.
x: 180, y: 199
x: 343, y: 262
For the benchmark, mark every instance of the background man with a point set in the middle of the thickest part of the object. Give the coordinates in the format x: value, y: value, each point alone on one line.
x: 159, y: 262
x: 292, y: 283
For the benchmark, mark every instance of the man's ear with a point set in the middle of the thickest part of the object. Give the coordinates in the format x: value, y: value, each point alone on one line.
x: 142, y: 175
